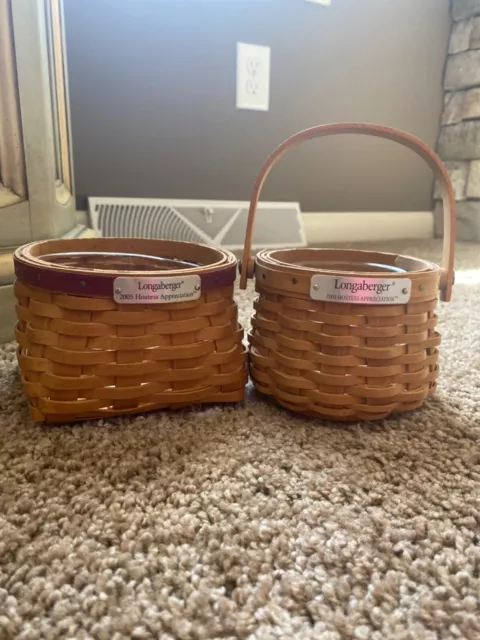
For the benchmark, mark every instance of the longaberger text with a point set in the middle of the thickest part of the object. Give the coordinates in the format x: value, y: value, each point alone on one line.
x: 354, y: 286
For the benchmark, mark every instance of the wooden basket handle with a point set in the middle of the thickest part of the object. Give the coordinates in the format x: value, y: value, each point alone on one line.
x: 379, y: 131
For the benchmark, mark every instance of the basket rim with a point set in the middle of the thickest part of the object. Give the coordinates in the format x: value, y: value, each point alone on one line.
x: 273, y: 260
x: 216, y: 266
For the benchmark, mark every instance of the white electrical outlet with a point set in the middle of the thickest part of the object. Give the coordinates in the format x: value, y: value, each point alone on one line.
x: 253, y: 77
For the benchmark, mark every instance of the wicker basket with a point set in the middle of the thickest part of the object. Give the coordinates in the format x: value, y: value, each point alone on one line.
x: 341, y: 334
x: 115, y: 326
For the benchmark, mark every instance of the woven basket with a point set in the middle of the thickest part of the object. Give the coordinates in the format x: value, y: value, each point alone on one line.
x: 347, y: 335
x: 115, y: 326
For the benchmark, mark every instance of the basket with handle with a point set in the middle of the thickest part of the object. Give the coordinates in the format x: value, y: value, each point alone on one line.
x: 347, y: 335
x: 110, y: 326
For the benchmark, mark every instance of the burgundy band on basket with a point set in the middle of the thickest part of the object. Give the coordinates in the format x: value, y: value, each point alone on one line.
x: 101, y: 285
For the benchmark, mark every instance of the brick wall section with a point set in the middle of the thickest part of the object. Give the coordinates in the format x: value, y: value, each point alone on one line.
x: 459, y: 141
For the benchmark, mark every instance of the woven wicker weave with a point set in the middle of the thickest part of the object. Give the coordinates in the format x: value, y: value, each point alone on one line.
x: 346, y: 361
x: 83, y: 355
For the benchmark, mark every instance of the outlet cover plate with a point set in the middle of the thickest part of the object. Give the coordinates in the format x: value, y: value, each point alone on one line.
x: 253, y: 77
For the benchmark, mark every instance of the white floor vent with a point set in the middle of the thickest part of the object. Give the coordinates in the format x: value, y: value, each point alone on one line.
x: 214, y: 222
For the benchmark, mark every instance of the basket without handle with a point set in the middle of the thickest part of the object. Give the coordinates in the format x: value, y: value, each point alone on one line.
x: 84, y: 354
x: 342, y: 360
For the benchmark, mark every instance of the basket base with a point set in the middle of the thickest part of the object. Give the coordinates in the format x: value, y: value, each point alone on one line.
x: 233, y: 397
x: 343, y: 415
x: 345, y: 419
x: 352, y: 419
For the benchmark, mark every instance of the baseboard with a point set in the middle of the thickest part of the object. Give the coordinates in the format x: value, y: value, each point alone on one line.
x: 332, y: 228
x: 7, y: 314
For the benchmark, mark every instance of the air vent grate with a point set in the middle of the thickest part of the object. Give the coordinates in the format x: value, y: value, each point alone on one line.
x: 143, y: 221
x: 209, y: 222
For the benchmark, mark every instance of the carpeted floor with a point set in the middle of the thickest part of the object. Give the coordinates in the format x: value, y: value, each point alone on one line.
x: 250, y: 522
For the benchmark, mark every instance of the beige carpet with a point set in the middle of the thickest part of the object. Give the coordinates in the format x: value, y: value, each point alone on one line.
x: 249, y: 522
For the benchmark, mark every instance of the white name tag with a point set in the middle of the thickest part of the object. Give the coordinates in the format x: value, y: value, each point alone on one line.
x: 156, y: 290
x: 361, y: 290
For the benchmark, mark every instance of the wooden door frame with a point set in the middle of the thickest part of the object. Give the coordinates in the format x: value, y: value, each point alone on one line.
x: 52, y: 209
x: 45, y: 208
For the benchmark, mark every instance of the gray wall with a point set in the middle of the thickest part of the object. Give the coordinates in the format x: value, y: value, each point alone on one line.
x: 152, y: 88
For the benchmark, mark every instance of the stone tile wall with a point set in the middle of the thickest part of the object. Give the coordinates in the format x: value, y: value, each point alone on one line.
x: 459, y: 140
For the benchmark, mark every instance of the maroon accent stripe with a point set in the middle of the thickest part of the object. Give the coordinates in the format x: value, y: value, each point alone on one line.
x: 101, y: 285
